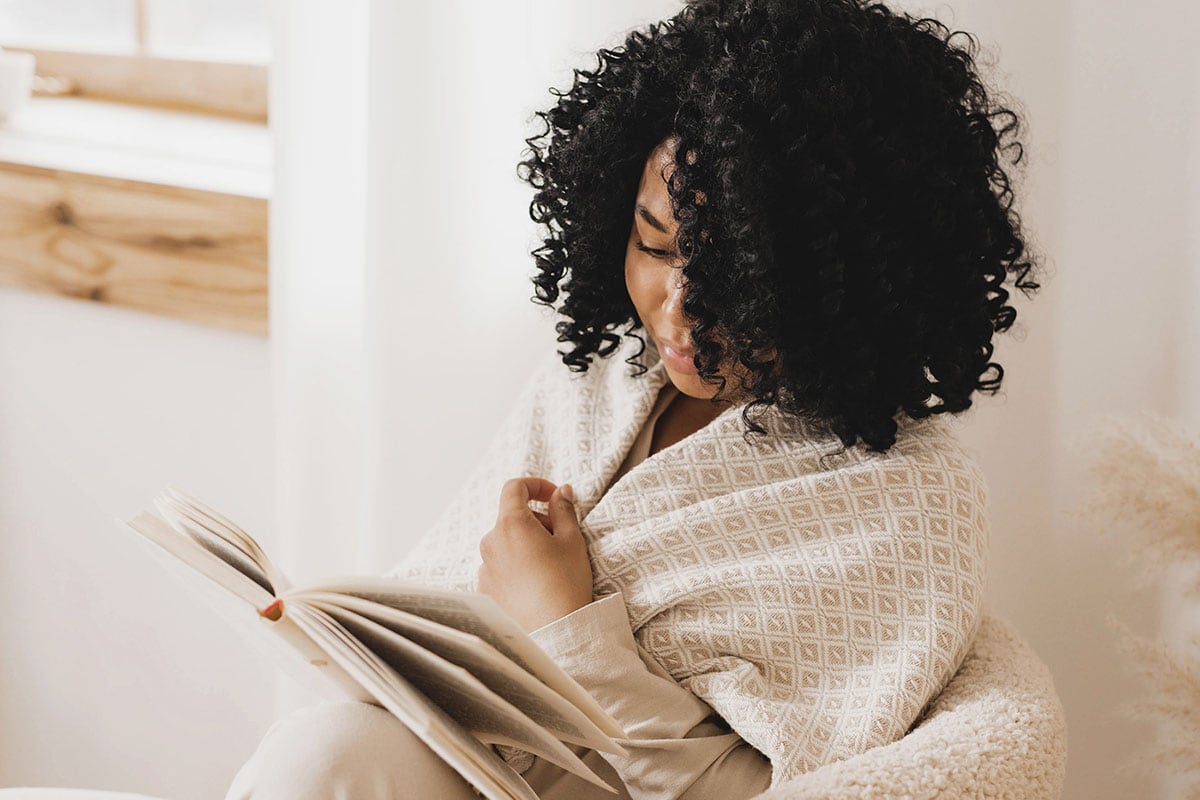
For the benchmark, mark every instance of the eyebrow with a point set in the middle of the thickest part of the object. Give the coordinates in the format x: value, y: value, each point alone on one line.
x: 645, y: 214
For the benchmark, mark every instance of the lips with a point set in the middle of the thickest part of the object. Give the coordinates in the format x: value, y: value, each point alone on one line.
x: 682, y: 361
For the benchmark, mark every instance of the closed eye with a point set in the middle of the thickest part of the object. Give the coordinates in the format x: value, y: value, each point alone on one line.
x: 654, y: 253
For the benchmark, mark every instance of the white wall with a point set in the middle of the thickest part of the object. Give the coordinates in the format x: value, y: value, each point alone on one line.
x: 1110, y: 95
x: 110, y: 677
x: 1129, y: 243
x: 419, y: 126
x: 453, y: 328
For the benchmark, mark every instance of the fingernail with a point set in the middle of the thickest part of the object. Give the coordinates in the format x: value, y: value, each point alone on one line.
x: 567, y: 492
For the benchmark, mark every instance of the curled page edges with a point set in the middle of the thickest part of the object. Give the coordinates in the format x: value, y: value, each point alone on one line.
x: 274, y: 611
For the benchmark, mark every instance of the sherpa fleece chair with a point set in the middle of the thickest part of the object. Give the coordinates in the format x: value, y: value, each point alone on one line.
x: 997, y: 730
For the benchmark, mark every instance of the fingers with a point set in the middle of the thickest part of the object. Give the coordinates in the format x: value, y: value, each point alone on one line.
x: 517, y: 492
x: 563, y: 516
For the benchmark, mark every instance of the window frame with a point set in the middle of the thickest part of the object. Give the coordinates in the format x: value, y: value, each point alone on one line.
x: 211, y: 87
x: 225, y: 88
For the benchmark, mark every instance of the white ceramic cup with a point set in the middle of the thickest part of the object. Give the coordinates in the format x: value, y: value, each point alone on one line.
x: 16, y: 82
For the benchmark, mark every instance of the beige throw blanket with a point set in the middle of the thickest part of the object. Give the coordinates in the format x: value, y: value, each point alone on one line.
x: 816, y: 599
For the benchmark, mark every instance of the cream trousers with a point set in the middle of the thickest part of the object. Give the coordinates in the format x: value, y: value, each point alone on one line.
x: 357, y: 751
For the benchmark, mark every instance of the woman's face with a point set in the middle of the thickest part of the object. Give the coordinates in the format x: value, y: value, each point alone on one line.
x: 654, y: 275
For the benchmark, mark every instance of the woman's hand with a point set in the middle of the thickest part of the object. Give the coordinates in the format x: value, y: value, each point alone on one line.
x: 535, y: 566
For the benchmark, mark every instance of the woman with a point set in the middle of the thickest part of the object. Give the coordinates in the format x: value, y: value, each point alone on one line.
x: 760, y: 547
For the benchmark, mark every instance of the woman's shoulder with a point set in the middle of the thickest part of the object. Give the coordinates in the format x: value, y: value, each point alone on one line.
x: 928, y: 445
x: 937, y: 442
x: 931, y: 461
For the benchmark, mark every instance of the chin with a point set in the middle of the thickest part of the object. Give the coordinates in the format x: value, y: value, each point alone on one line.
x: 691, y: 385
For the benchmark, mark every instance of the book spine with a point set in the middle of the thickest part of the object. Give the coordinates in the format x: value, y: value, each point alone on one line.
x: 309, y: 663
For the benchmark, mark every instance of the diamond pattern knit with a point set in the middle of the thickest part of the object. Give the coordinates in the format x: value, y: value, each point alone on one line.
x: 817, y: 597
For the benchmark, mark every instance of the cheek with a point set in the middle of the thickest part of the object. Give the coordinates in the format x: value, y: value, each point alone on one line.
x: 639, y: 281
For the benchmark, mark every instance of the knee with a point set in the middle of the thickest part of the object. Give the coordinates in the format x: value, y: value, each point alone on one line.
x: 336, y: 750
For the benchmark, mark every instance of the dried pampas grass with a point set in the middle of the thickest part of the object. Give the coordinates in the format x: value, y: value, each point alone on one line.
x: 1171, y: 677
x: 1145, y: 474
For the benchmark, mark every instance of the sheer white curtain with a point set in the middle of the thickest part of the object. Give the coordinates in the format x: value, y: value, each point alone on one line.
x: 401, y: 320
x: 402, y: 327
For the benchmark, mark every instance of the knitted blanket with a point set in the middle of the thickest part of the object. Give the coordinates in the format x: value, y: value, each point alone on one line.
x: 816, y: 597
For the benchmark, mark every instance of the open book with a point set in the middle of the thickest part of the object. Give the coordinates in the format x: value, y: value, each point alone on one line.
x: 450, y: 665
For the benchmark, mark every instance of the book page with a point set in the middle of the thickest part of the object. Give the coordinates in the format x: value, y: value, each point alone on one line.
x: 476, y: 614
x: 535, y: 699
x: 151, y: 528
x: 221, y: 524
x: 219, y: 548
x: 308, y: 662
x: 490, y: 717
x: 228, y: 593
x: 220, y: 534
x: 476, y: 762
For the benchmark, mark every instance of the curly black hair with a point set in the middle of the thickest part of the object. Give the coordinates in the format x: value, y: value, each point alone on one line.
x: 841, y: 196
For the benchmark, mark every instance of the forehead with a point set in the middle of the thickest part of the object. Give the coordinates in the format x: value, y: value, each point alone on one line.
x: 660, y: 161
x: 652, y: 189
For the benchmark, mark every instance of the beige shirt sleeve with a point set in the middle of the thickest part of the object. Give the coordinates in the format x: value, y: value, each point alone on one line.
x: 677, y: 747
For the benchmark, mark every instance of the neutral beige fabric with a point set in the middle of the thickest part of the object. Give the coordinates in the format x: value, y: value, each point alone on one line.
x: 677, y: 747
x: 345, y: 751
x: 641, y: 445
x: 996, y: 731
x: 815, y: 597
x: 678, y: 750
x: 356, y: 751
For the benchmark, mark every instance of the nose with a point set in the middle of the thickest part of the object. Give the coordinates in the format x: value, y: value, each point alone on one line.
x: 673, y: 307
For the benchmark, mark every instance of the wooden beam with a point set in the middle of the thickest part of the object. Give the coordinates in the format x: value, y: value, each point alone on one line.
x: 184, y: 253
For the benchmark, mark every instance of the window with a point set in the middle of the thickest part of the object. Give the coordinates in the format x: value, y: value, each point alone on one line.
x: 206, y: 30
x: 129, y: 196
x: 207, y: 55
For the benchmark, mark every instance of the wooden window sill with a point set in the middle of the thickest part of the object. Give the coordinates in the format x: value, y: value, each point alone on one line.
x: 154, y: 209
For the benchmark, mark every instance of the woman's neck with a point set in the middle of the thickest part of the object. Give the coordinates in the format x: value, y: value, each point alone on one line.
x: 682, y: 417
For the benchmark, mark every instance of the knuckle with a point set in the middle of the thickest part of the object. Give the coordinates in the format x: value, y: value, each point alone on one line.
x: 509, y: 518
